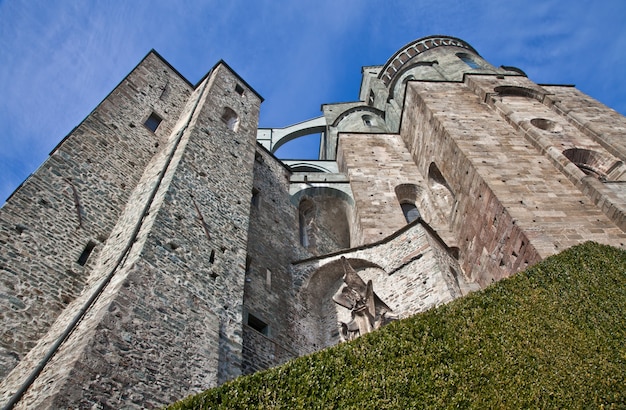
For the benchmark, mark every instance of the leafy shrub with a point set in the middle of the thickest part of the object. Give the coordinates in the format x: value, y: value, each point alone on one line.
x: 550, y: 337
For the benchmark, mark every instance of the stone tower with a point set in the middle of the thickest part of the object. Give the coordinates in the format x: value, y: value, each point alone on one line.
x: 163, y: 249
x: 127, y: 248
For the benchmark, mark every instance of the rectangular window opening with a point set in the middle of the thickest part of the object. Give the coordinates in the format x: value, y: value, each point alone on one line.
x: 153, y: 121
x: 82, y: 259
x: 239, y: 89
x: 257, y: 324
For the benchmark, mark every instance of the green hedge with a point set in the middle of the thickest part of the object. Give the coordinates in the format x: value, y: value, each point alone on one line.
x: 553, y: 336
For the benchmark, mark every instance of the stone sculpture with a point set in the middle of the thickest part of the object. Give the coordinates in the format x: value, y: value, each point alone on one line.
x: 367, y: 310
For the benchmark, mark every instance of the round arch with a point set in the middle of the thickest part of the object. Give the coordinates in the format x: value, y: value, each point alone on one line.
x: 308, y: 167
x: 329, y: 226
x: 360, y: 108
x: 320, y: 191
x: 323, y: 314
x: 402, y: 71
x: 319, y: 129
x: 516, y: 91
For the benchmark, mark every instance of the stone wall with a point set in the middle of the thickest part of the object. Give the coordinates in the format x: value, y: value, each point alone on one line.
x: 505, y: 220
x: 375, y: 165
x: 410, y: 272
x: 173, y: 294
x: 73, y: 201
x: 272, y: 245
x: 168, y: 262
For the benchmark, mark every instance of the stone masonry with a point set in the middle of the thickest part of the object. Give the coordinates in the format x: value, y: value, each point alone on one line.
x: 162, y: 249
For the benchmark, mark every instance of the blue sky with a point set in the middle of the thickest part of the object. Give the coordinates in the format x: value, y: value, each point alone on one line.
x: 60, y: 58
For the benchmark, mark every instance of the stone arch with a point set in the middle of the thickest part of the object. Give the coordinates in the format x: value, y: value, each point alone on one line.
x: 354, y: 119
x: 322, y: 313
x: 546, y: 125
x: 592, y: 162
x: 274, y: 138
x: 516, y: 91
x: 421, y: 70
x: 307, y: 167
x: 330, y: 213
x: 306, y: 214
x: 408, y: 195
x: 297, y: 134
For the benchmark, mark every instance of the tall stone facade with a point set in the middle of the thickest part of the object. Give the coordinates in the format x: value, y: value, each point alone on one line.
x: 162, y: 249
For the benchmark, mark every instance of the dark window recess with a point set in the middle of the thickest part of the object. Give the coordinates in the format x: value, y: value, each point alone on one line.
x: 153, y: 121
x: 257, y: 324
x: 372, y: 98
x: 255, y: 197
x: 239, y: 89
x: 410, y: 212
x: 367, y: 120
x: 248, y: 263
x: 82, y: 259
x: 230, y: 118
x: 468, y: 60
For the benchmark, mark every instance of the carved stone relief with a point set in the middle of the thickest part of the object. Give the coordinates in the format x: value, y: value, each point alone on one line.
x: 368, y: 312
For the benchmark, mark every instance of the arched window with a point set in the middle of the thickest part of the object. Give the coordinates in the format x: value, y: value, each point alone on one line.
x: 410, y: 212
x: 467, y: 59
x: 367, y: 120
x: 592, y: 162
x: 230, y: 118
x: 306, y: 211
x: 407, y: 195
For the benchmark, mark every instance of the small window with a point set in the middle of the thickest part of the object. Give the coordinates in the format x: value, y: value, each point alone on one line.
x: 467, y: 59
x: 306, y: 211
x: 367, y: 120
x: 410, y: 212
x: 371, y: 99
x: 239, y: 89
x: 153, y: 121
x: 255, y: 197
x: 248, y: 264
x: 82, y: 259
x: 230, y: 118
x: 257, y: 324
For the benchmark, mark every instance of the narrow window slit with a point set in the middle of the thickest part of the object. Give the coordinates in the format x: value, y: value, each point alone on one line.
x: 82, y: 259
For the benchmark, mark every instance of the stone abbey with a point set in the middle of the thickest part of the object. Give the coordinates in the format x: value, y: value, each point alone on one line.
x: 162, y: 248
